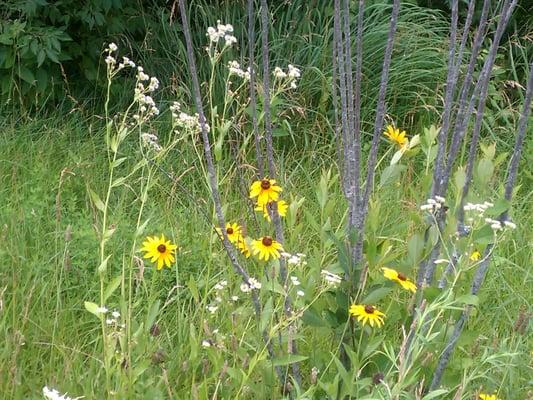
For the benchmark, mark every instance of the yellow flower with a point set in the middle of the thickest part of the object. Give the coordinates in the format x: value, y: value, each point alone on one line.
x: 266, y: 247
x: 234, y: 232
x: 367, y: 314
x: 487, y: 397
x: 396, y: 136
x: 160, y: 250
x: 265, y: 190
x: 475, y: 255
x: 244, y: 247
x: 396, y: 276
x: 282, y: 209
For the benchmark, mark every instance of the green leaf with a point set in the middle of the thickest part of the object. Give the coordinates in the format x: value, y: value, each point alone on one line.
x: 103, y: 265
x: 311, y: 318
x: 92, y: 308
x: 376, y: 295
x: 113, y: 285
x: 288, y: 359
x: 434, y: 393
x: 266, y: 314
x: 98, y: 203
x: 26, y: 75
x: 470, y: 299
x: 499, y: 207
x: 152, y: 314
x: 484, y: 235
x: 415, y: 248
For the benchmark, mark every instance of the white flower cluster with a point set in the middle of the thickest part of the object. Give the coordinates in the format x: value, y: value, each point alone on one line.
x: 185, y: 120
x: 235, y: 69
x: 151, y: 140
x: 294, y: 259
x: 496, y: 225
x: 101, y: 310
x: 114, y: 321
x: 220, y: 285
x: 252, y: 284
x: 111, y: 61
x: 221, y: 32
x: 331, y: 278
x: 53, y: 394
x: 295, y: 281
x: 433, y: 204
x: 147, y: 107
x: 291, y: 75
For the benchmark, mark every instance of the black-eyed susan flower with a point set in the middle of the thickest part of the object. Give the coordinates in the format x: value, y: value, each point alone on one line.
x: 159, y: 250
x: 265, y: 190
x: 396, y: 136
x: 396, y: 276
x: 483, y: 396
x: 267, y: 208
x: 476, y: 255
x: 266, y: 248
x: 234, y: 232
x: 367, y: 314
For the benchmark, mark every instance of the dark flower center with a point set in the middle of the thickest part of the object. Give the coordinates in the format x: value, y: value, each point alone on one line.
x: 369, y: 309
x: 229, y: 231
x: 161, y: 248
x: 401, y: 276
x: 265, y: 184
x: 267, y: 241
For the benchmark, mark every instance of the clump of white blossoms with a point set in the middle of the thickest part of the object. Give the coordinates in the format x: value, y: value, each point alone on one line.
x: 53, y: 394
x: 222, y: 31
x: 433, y: 204
x: 294, y: 259
x: 235, y: 69
x: 290, y: 77
x: 330, y: 278
x: 146, y: 103
x: 252, y: 284
x: 151, y: 140
x: 183, y: 120
x: 111, y: 61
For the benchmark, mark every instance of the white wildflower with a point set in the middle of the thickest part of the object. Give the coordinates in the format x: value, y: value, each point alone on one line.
x: 206, y: 343
x: 101, y: 310
x: 115, y: 314
x: 510, y: 224
x: 212, y: 309
x: 110, y: 60
x: 53, y: 394
x: 295, y: 281
x: 294, y: 72
x: 245, y: 288
x: 300, y: 293
x: 440, y: 199
x: 234, y: 298
x: 330, y: 277
x: 278, y: 73
x: 254, y: 283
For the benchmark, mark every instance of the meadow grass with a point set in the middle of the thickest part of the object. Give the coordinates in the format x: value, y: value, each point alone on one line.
x: 49, y: 251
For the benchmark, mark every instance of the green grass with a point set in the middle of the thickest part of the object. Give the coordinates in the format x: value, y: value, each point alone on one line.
x: 50, y: 339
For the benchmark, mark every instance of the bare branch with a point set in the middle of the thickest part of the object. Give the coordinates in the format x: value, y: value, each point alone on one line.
x: 253, y: 100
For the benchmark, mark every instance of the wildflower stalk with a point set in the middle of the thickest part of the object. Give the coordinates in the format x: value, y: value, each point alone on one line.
x: 481, y: 272
x: 253, y: 100
x: 291, y: 345
x: 213, y: 184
